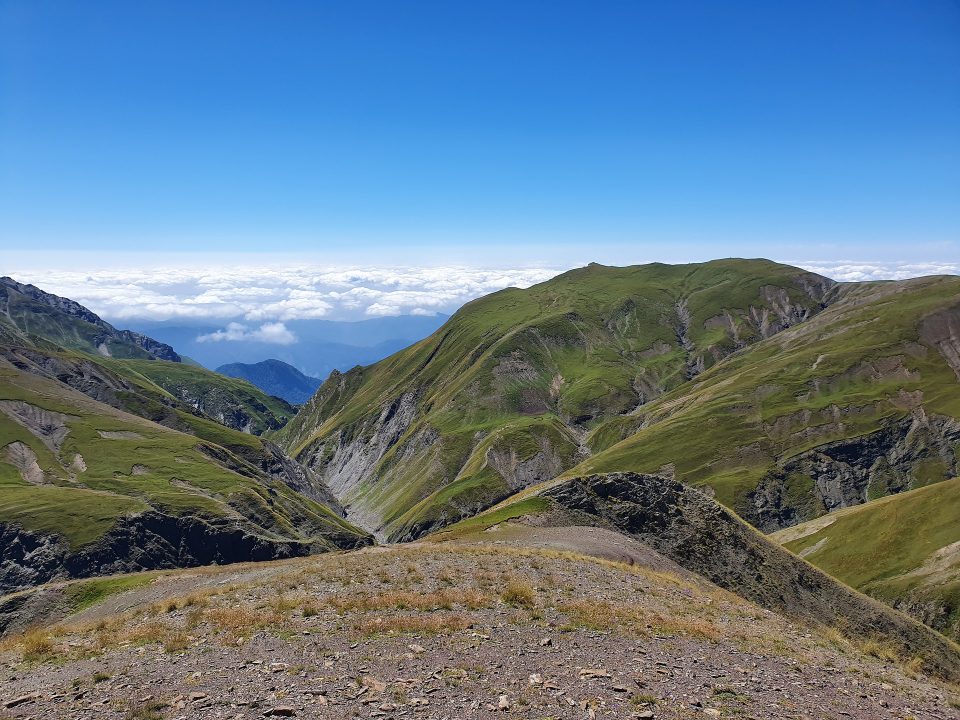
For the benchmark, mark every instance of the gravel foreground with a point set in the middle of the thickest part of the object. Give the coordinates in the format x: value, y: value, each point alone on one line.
x: 450, y: 631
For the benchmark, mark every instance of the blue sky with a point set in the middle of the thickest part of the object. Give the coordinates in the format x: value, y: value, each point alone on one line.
x: 541, y: 133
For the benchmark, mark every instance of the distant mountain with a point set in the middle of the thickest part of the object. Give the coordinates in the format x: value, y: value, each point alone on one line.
x: 275, y: 377
x: 69, y: 324
x: 322, y: 346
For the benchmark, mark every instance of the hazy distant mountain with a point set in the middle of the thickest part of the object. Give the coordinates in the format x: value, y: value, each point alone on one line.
x: 321, y: 347
x: 276, y: 378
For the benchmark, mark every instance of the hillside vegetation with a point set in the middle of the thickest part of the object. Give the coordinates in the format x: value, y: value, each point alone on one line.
x: 110, y: 464
x: 87, y: 489
x: 505, y: 393
x: 903, y: 549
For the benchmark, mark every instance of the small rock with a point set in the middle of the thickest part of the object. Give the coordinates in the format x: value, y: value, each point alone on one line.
x: 194, y: 696
x: 535, y: 679
x: 281, y: 711
x: 645, y: 714
x: 711, y: 712
x: 22, y: 700
x: 594, y: 673
x: 503, y: 703
x: 545, y: 642
x: 418, y: 649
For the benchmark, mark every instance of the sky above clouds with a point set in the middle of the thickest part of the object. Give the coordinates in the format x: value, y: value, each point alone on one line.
x: 534, y: 134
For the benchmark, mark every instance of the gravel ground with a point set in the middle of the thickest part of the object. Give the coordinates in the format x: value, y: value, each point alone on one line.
x: 512, y: 626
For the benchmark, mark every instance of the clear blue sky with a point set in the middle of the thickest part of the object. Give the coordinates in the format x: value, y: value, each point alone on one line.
x: 660, y: 129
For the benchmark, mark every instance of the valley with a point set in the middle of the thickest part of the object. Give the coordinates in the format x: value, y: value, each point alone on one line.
x: 592, y: 459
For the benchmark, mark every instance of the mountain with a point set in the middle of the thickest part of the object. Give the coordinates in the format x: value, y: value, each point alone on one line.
x: 320, y: 346
x: 38, y: 330
x: 858, y: 402
x: 577, y: 460
x: 903, y: 549
x: 112, y: 465
x: 27, y: 309
x: 783, y: 394
x: 275, y: 378
x: 506, y: 393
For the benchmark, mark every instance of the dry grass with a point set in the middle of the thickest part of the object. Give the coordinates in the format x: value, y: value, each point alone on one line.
x: 880, y: 649
x: 433, y: 623
x: 36, y: 646
x: 447, y: 599
x: 635, y: 619
x: 519, y: 593
x: 242, y: 620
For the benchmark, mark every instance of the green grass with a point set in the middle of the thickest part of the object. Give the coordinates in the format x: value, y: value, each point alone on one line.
x: 155, y: 468
x: 87, y: 593
x: 886, y: 548
x: 215, y: 392
x: 502, y: 513
x: 868, y: 545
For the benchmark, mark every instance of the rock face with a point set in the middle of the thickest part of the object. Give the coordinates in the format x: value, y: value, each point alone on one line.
x: 699, y: 534
x: 148, y: 541
x: 853, y: 471
x: 27, y: 306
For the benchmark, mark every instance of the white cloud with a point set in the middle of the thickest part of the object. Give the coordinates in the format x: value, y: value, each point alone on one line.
x: 275, y: 333
x: 849, y: 271
x: 253, y: 296
x: 261, y: 299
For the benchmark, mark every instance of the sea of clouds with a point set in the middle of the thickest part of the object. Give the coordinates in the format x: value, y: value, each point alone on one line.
x: 254, y: 303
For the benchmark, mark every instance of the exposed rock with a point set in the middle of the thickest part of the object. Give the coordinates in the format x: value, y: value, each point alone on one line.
x: 148, y: 541
x: 25, y: 460
x: 699, y: 534
x: 50, y: 427
x: 942, y: 331
x: 852, y: 471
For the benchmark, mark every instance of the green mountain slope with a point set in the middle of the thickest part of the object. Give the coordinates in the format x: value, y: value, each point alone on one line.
x: 27, y: 310
x: 41, y: 332
x: 88, y: 489
x: 858, y: 402
x: 505, y: 393
x: 903, y: 549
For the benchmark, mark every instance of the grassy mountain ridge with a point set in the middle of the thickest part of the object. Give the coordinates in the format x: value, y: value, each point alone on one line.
x: 691, y: 529
x: 65, y: 323
x: 78, y: 475
x: 903, y: 549
x: 858, y: 402
x: 536, y: 369
x: 118, y: 463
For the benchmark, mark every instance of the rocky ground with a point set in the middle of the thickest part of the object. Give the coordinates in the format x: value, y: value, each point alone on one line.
x: 464, y: 630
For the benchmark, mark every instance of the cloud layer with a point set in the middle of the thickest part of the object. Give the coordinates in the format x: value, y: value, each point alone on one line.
x: 253, y: 303
x: 271, y: 296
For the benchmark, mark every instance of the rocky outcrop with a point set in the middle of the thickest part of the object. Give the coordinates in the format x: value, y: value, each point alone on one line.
x: 98, y: 335
x: 854, y: 470
x: 699, y: 534
x: 942, y: 331
x: 343, y: 460
x: 149, y: 541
